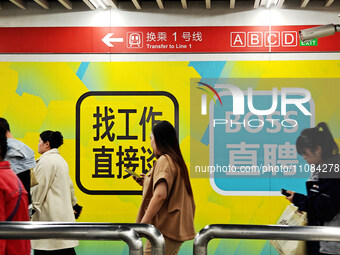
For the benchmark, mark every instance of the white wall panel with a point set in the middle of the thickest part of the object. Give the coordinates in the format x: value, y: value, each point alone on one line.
x: 173, y: 15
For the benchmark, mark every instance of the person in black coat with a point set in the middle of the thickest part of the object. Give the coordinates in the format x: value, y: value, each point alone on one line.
x: 322, y: 202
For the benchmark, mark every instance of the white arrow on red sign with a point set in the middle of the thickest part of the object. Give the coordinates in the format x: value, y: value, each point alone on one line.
x: 107, y: 39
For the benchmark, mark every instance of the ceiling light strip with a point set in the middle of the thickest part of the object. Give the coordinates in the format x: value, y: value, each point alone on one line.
x: 20, y: 3
x: 66, y: 3
x: 137, y: 4
x: 208, y: 4
x: 112, y: 3
x: 89, y: 4
x: 160, y: 4
x: 280, y: 3
x: 304, y: 3
x: 328, y: 3
x: 43, y: 3
x: 184, y: 4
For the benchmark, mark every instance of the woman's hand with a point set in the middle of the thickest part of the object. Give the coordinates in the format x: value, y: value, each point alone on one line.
x: 140, y: 181
x: 290, y: 198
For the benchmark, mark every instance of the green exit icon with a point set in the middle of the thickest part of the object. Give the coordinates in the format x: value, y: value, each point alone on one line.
x: 313, y: 42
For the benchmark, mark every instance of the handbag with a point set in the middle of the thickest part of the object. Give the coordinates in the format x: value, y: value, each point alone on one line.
x: 291, y: 216
x: 34, y: 180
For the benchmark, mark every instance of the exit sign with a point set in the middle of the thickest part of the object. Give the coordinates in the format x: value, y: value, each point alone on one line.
x: 313, y: 42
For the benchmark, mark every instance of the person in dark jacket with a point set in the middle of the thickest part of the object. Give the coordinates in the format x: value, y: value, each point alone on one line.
x: 322, y: 203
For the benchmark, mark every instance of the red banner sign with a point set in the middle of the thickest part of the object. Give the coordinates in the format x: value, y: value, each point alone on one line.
x: 160, y: 40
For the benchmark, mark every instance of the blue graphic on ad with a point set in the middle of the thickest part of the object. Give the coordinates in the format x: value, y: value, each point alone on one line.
x: 258, y: 152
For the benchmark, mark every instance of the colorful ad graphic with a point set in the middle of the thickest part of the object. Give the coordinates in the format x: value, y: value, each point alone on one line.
x: 238, y: 115
x: 252, y: 133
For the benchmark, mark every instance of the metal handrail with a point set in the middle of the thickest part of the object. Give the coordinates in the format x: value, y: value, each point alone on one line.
x: 143, y: 230
x: 71, y: 231
x: 266, y: 232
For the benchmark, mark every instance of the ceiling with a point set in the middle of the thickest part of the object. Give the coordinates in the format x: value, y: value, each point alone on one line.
x: 230, y: 4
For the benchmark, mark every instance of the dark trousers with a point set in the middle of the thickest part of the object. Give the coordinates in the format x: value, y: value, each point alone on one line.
x: 25, y: 178
x: 69, y: 251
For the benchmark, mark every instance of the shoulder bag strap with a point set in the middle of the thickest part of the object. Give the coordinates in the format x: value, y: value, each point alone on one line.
x: 10, y: 218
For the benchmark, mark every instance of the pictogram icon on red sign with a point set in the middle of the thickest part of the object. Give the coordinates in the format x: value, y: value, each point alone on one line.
x: 134, y: 40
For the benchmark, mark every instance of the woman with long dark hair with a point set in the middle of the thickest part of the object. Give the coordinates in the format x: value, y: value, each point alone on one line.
x: 322, y: 203
x: 53, y: 198
x: 168, y: 201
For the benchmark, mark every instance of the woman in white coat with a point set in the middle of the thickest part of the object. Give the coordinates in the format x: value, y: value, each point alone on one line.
x: 53, y: 198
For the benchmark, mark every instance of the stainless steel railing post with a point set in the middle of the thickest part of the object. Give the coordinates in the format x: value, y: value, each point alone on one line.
x: 22, y: 230
x: 143, y: 230
x: 269, y: 232
x: 152, y: 234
